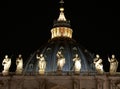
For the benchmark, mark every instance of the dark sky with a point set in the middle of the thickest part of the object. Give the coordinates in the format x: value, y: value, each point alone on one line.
x: 26, y: 25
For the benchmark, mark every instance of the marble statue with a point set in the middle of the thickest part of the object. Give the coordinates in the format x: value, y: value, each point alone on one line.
x: 98, y: 64
x: 6, y: 63
x: 77, y: 63
x: 60, y: 60
x: 113, y: 64
x: 19, y: 64
x: 41, y: 63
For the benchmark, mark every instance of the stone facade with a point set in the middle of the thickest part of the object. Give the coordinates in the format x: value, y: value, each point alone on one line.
x: 82, y: 81
x: 61, y: 38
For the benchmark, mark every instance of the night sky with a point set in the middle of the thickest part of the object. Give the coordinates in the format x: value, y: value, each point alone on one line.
x: 25, y: 26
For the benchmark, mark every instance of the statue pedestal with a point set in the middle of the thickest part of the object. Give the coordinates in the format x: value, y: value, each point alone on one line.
x: 41, y: 72
x: 5, y: 73
x: 99, y: 71
x: 112, y: 73
x: 77, y: 72
x: 59, y: 72
x: 18, y: 72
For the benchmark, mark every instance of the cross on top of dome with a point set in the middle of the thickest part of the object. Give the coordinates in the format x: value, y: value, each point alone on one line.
x: 61, y: 16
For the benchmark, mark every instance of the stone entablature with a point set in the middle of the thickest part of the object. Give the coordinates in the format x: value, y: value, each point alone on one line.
x: 83, y: 81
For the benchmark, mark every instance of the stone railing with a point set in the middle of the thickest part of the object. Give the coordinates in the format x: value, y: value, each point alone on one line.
x: 61, y: 74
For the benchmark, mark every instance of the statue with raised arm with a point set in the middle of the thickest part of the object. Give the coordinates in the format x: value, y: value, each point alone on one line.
x: 113, y: 64
x: 60, y: 60
x: 77, y: 63
x: 6, y: 63
x: 41, y: 63
x: 19, y: 64
x: 98, y: 64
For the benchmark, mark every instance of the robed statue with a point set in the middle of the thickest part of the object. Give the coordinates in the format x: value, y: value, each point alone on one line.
x: 77, y: 63
x: 41, y: 63
x: 6, y: 63
x: 60, y: 60
x: 98, y: 64
x: 19, y: 64
x: 113, y: 64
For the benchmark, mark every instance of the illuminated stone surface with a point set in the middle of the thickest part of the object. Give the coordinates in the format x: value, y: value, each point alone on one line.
x: 64, y: 78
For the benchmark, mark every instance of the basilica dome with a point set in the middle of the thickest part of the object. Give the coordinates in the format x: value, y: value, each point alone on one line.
x: 61, y: 40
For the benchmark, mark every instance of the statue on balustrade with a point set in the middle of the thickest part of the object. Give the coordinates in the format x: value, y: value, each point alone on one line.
x: 19, y: 64
x: 6, y: 63
x: 98, y: 64
x: 77, y: 63
x: 113, y: 64
x: 60, y: 60
x: 41, y: 63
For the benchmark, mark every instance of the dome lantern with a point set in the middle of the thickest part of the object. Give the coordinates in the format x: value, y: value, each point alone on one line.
x: 61, y: 27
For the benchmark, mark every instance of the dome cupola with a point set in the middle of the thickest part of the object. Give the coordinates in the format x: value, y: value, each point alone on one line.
x: 60, y: 46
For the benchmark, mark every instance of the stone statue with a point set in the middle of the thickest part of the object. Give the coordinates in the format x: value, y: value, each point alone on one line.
x: 19, y: 64
x: 60, y: 60
x: 6, y: 63
x: 41, y: 63
x: 98, y: 64
x: 113, y: 64
x: 77, y: 63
